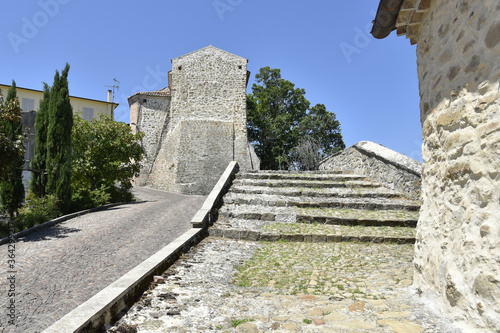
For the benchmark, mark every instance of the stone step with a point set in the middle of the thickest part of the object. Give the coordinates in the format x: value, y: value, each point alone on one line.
x: 327, y: 229
x: 312, y: 202
x: 258, y: 219
x: 325, y: 193
x: 356, y: 216
x: 306, y: 183
x: 250, y: 235
x: 338, y: 177
x: 411, y: 223
x: 291, y: 172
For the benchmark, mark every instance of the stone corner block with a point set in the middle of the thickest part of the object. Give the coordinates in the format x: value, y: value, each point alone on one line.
x: 269, y: 237
x: 201, y: 218
x: 333, y: 238
x: 250, y: 235
x: 232, y: 234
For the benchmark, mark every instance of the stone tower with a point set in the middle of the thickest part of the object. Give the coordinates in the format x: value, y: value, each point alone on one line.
x: 457, y: 252
x: 197, y: 125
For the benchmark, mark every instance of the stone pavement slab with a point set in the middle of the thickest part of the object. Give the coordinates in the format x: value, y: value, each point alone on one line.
x: 242, y: 286
x: 60, y: 267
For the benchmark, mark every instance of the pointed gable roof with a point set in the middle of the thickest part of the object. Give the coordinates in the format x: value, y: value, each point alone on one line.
x: 208, y: 50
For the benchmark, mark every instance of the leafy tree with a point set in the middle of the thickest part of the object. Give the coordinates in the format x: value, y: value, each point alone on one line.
x: 283, y: 128
x: 60, y: 123
x: 274, y: 110
x: 324, y: 127
x: 11, y: 146
x: 106, y: 153
x: 39, y: 177
x: 11, y: 186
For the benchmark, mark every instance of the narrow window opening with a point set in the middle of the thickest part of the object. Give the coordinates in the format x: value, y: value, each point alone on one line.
x: 179, y: 68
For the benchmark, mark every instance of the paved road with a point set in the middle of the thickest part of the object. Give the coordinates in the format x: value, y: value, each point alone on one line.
x: 61, y: 267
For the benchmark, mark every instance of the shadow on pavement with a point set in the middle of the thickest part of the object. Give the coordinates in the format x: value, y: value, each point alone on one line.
x: 56, y: 231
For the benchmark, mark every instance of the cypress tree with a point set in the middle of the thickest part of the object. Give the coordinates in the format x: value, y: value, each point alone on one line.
x: 58, y: 163
x: 38, y: 178
x: 12, y: 188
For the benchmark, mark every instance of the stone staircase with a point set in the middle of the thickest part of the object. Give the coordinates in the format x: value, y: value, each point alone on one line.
x: 315, y: 206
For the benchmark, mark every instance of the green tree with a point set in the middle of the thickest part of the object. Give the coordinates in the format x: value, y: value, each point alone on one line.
x: 285, y: 132
x: 324, y: 127
x: 11, y: 146
x: 106, y: 154
x: 11, y: 186
x: 60, y: 123
x: 274, y: 111
x: 38, y: 163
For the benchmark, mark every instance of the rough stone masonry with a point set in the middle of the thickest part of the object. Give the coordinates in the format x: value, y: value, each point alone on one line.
x: 458, y: 234
x: 197, y: 125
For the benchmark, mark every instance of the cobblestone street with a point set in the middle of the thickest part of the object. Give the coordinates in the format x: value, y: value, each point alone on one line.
x: 240, y: 286
x: 60, y: 267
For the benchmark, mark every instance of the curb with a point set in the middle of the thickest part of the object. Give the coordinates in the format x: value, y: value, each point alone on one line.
x: 104, y: 307
x: 209, y: 212
x: 306, y: 238
x: 57, y: 220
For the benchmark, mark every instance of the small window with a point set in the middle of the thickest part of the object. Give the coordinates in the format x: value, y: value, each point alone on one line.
x: 88, y: 114
x: 27, y: 104
x: 240, y: 67
x: 179, y: 68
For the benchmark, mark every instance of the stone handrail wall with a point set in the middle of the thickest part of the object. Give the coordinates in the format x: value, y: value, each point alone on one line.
x: 381, y: 164
x: 209, y: 212
x: 105, y: 306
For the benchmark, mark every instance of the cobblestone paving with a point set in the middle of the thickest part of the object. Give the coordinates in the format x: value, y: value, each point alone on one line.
x: 239, y: 286
x: 60, y: 267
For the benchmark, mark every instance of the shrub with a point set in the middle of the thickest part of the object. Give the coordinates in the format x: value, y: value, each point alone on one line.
x: 37, y: 210
x: 83, y: 198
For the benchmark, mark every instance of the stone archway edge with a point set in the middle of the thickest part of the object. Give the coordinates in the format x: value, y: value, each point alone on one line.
x: 101, y: 309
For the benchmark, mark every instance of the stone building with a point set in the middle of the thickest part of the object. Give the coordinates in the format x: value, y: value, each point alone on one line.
x: 458, y: 235
x: 197, y: 125
x: 396, y: 171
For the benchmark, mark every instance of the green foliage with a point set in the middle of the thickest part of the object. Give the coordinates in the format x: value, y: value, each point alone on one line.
x: 274, y: 110
x: 60, y: 123
x: 38, y: 162
x: 106, y: 154
x: 237, y: 322
x: 12, y: 93
x: 278, y: 117
x: 11, y: 145
x: 324, y: 127
x: 38, y: 210
x: 83, y: 198
x: 307, y: 321
x: 11, y: 184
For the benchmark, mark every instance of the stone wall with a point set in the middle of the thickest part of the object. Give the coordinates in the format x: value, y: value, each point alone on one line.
x: 380, y: 164
x: 151, y: 116
x: 210, y: 84
x: 458, y: 236
x: 195, y: 127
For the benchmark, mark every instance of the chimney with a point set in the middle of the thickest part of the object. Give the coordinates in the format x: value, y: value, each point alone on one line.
x: 109, y: 96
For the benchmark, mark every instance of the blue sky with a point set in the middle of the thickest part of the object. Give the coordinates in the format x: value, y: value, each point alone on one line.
x: 322, y: 46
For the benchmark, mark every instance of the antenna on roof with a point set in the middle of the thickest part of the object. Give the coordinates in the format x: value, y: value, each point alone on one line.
x: 116, y: 84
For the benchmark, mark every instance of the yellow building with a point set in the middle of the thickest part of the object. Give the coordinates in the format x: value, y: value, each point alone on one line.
x: 29, y: 99
x: 85, y: 107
